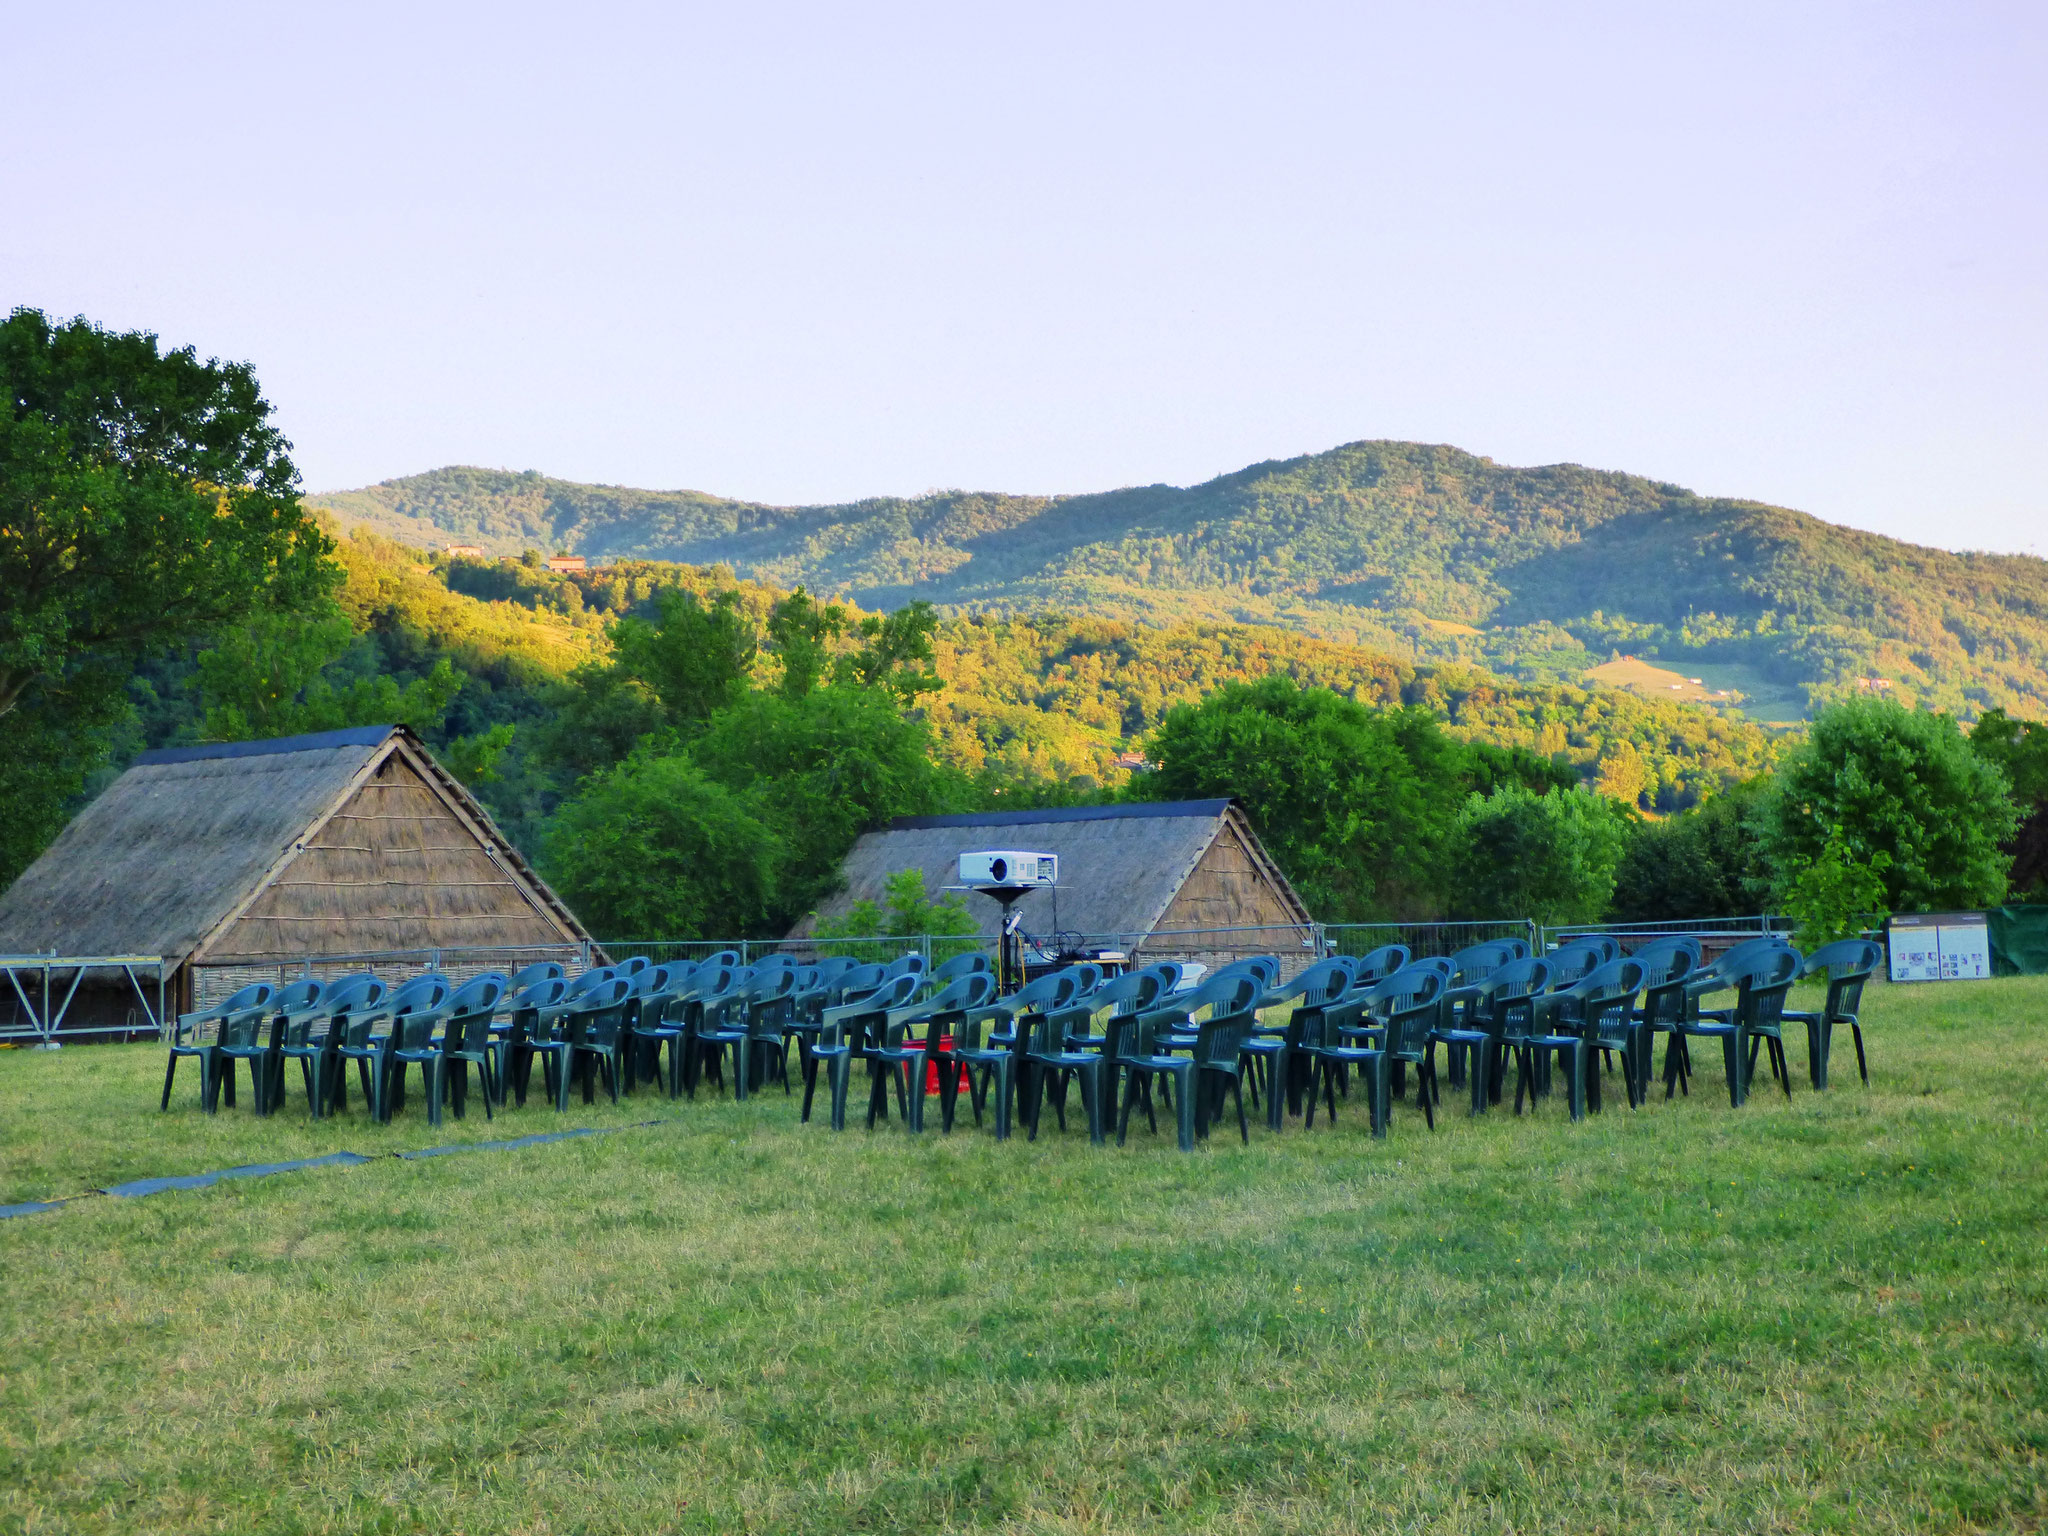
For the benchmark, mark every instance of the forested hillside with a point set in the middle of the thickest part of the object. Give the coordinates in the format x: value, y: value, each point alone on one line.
x: 1421, y: 551
x: 1051, y: 697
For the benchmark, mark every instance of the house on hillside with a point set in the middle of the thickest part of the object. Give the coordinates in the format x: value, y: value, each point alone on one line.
x: 567, y: 563
x: 1168, y: 877
x: 463, y: 551
x: 247, y: 860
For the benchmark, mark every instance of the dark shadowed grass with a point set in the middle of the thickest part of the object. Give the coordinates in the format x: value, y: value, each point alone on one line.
x: 1827, y: 1315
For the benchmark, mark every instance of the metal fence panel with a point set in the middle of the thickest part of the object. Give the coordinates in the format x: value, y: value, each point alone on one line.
x: 1425, y: 940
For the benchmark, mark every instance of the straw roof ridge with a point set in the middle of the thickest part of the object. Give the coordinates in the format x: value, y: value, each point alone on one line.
x: 1120, y: 866
x: 172, y: 854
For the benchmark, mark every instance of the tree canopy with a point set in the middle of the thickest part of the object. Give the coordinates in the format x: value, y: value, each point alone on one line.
x: 1876, y: 778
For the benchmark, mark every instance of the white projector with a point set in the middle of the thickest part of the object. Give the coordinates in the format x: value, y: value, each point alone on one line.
x: 1007, y: 867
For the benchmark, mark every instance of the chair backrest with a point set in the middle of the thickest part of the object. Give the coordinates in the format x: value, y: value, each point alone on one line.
x: 773, y: 984
x: 1667, y: 960
x: 1849, y: 963
x: 1265, y: 969
x: 1324, y: 982
x: 1520, y: 978
x: 1382, y: 962
x: 897, y: 991
x: 424, y: 993
x: 1476, y: 962
x: 354, y: 994
x: 527, y: 975
x: 973, y: 964
x: 596, y: 976
x: 1221, y: 994
x: 1088, y: 976
x: 1574, y: 960
x: 906, y: 965
x: 1048, y: 994
x: 1168, y: 973
x: 832, y: 967
x: 632, y: 966
x: 860, y: 979
x: 548, y: 992
x: 259, y: 994
x: 1607, y: 994
x: 299, y: 996
x: 1438, y: 966
x: 1126, y: 995
x: 974, y: 990
x: 479, y: 994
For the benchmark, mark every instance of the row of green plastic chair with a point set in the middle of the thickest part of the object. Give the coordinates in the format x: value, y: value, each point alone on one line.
x: 1195, y: 1042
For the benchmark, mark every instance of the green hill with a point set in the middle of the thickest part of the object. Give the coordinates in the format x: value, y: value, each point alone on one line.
x: 1396, y: 546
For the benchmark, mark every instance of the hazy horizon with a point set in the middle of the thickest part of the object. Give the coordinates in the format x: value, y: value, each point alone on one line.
x: 800, y: 255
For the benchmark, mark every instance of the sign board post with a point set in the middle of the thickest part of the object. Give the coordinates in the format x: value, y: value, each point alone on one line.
x: 1940, y: 946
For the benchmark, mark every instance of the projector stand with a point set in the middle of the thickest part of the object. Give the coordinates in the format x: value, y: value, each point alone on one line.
x: 1009, y: 950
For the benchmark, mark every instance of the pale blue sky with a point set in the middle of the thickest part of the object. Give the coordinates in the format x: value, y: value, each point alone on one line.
x: 1794, y: 252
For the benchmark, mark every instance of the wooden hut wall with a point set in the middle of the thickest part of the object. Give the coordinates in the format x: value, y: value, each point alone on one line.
x: 1229, y: 887
x: 394, y: 869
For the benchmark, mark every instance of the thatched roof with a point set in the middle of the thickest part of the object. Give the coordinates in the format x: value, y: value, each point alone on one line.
x: 1121, y: 866
x: 178, y: 851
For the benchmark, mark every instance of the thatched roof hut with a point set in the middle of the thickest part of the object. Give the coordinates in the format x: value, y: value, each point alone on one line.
x: 260, y: 853
x: 1126, y: 871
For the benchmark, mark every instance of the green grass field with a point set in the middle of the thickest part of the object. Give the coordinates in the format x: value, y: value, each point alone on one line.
x: 1827, y: 1315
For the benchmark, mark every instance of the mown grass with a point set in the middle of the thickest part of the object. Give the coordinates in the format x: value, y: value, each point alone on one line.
x: 1822, y: 1315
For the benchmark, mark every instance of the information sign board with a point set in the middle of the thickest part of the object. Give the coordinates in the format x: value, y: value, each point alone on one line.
x: 1940, y: 946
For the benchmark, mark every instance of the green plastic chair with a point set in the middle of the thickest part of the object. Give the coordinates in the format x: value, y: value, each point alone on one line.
x: 901, y: 1040
x: 415, y: 1009
x: 1377, y: 1028
x: 1481, y: 1028
x: 1595, y: 1012
x: 843, y: 1035
x: 244, y: 1037
x: 1848, y: 964
x: 1050, y: 1063
x: 986, y: 1045
x: 595, y: 1030
x: 1272, y: 1052
x: 466, y: 1042
x: 767, y: 1013
x: 1220, y: 1013
x: 1760, y: 971
x: 188, y: 1039
x: 293, y: 1015
x: 532, y: 1034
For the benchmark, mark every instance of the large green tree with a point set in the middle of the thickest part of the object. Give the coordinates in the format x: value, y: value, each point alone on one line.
x: 1875, y: 777
x: 145, y: 498
x: 1356, y: 804
x: 655, y: 848
x: 146, y: 501
x: 1550, y: 858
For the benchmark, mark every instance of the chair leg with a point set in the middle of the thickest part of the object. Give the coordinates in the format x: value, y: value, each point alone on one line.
x: 1862, y: 1066
x: 1237, y: 1089
x: 1123, y: 1119
x: 170, y: 1069
x: 1183, y: 1105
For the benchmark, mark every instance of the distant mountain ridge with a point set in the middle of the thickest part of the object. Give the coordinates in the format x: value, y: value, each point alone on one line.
x: 1402, y: 546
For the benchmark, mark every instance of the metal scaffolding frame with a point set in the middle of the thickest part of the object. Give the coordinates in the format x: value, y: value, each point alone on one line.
x: 46, y: 1010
